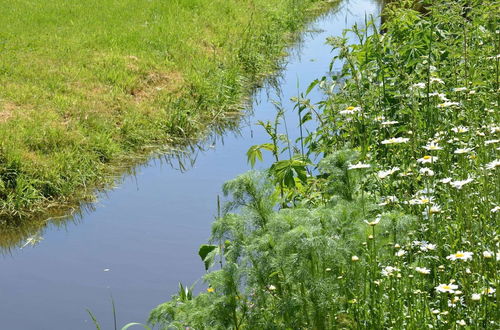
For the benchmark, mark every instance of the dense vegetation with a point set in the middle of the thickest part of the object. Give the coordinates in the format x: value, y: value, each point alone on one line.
x: 384, y: 216
x: 86, y: 83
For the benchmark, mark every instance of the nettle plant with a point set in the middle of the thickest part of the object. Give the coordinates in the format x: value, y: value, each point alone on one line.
x: 396, y: 223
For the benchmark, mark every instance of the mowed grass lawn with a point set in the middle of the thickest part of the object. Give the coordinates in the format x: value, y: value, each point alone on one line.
x: 85, y: 82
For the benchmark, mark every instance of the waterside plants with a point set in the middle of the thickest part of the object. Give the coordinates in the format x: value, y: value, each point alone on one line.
x: 386, y: 215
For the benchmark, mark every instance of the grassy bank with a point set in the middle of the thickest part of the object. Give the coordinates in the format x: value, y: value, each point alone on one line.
x: 386, y: 215
x: 85, y: 83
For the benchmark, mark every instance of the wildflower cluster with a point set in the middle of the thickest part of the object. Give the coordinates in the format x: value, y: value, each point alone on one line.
x: 397, y: 226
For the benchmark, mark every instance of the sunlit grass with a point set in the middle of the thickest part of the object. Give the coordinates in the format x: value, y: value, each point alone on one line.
x: 87, y: 82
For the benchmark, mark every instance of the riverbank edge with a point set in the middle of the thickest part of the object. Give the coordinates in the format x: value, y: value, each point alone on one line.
x: 109, y: 173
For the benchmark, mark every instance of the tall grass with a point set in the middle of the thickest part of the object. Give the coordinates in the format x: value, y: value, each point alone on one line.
x: 396, y: 227
x: 85, y: 83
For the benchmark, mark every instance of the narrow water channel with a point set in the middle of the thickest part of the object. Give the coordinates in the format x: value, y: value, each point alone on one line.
x: 142, y: 238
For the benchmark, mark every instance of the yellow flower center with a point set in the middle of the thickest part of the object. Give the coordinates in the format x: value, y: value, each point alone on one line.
x: 350, y: 108
x: 425, y: 200
x: 210, y: 290
x: 446, y: 287
x: 427, y: 157
x: 459, y: 255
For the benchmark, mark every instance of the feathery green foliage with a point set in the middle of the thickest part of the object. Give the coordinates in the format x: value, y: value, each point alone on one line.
x: 397, y: 225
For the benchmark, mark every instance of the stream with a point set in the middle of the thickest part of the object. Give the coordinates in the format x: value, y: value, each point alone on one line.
x: 142, y: 238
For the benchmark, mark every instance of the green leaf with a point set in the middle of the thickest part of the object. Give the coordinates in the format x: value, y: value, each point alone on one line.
x: 268, y: 146
x: 96, y: 324
x: 311, y: 86
x: 135, y: 323
x: 205, y: 255
x: 307, y: 117
x: 254, y: 152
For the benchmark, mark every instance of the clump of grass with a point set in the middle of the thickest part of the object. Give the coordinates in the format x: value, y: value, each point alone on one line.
x: 397, y: 225
x: 84, y: 84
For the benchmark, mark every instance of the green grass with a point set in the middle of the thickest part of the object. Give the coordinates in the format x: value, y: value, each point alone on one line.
x: 85, y: 83
x: 395, y: 225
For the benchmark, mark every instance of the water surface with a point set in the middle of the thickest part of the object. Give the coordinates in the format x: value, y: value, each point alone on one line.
x: 142, y: 238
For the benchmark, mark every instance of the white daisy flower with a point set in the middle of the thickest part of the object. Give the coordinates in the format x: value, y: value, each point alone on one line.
x: 404, y: 174
x: 487, y: 254
x: 384, y: 174
x: 358, y: 166
x: 427, y: 159
x: 389, y: 271
x: 436, y: 80
x: 440, y: 95
x: 462, y: 151
x: 475, y: 297
x: 494, y: 164
x: 435, y: 209
x: 427, y: 247
x: 422, y: 270
x: 488, y: 142
x: 421, y: 200
x: 448, y: 104
x: 374, y: 222
x: 460, y: 255
x: 418, y: 85
x: 388, y: 200
x: 494, y: 129
x: 389, y: 122
x: 449, y: 288
x: 460, y: 129
x: 350, y: 111
x: 425, y: 191
x: 400, y: 253
x: 489, y: 291
x: 432, y: 146
x: 396, y: 140
x: 426, y: 171
x: 460, y: 184
x: 445, y: 180
x: 460, y: 89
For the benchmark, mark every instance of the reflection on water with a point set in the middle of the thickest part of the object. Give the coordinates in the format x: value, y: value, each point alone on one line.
x: 20, y: 233
x: 141, y: 238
